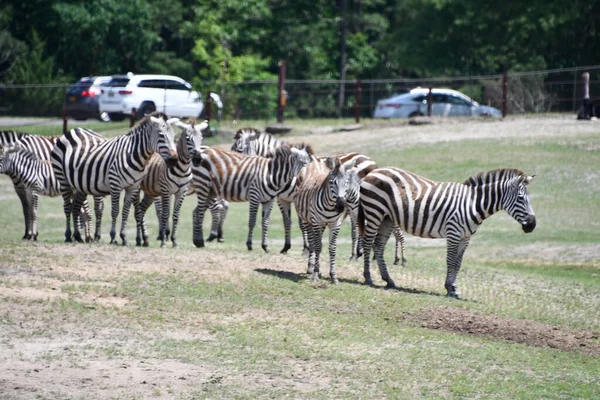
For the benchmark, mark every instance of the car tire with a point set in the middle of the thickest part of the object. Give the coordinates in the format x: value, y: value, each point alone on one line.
x: 415, y: 114
x: 116, y: 117
x: 146, y: 108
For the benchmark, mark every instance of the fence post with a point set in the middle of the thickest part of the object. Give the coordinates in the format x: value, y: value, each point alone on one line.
x: 429, y: 101
x: 586, y: 114
x: 357, y: 101
x: 281, y: 97
x: 133, y: 117
x: 504, y: 94
x: 209, y: 101
x: 65, y: 123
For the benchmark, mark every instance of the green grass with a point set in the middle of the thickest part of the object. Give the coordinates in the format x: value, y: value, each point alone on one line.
x: 252, y: 325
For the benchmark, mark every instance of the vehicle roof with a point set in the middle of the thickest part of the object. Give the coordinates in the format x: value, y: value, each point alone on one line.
x: 419, y: 90
x: 152, y: 76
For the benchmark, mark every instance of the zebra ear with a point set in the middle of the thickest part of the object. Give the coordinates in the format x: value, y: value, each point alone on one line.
x: 172, y: 121
x: 529, y: 178
x: 203, y: 125
x: 331, y: 163
x: 182, y: 125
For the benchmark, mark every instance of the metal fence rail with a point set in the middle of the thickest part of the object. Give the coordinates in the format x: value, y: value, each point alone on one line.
x: 557, y: 90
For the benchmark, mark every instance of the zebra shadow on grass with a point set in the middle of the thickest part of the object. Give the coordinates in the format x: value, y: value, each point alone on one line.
x: 295, y: 277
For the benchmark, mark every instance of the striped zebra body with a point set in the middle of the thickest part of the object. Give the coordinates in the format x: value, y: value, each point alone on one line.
x: 86, y: 165
x: 422, y: 207
x: 321, y: 202
x: 238, y: 177
x: 41, y: 147
x: 160, y: 183
x: 37, y: 178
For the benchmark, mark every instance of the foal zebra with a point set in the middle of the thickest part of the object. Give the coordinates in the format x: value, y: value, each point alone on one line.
x: 41, y: 147
x: 321, y: 202
x: 87, y: 166
x: 422, y: 207
x: 239, y: 177
x: 161, y: 182
x: 36, y: 177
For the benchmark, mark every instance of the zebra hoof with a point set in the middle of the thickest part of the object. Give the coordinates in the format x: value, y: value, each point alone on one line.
x: 211, y: 237
x: 199, y: 243
x: 453, y: 295
x: 265, y: 248
x: 334, y: 280
x: 285, y: 249
x: 391, y: 285
x: 67, y: 240
x: 220, y: 239
x: 249, y: 245
x: 369, y: 282
x: 404, y: 262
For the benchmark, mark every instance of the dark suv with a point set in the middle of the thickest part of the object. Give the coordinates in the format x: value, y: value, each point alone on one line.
x: 81, y: 100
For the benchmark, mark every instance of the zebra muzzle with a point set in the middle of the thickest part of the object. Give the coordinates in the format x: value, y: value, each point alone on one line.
x: 340, y: 204
x: 528, y: 224
x: 196, y: 160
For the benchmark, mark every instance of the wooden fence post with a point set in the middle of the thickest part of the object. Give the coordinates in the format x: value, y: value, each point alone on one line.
x: 504, y: 94
x: 209, y: 101
x: 65, y: 123
x: 357, y: 101
x: 133, y: 117
x: 281, y: 96
x: 429, y: 101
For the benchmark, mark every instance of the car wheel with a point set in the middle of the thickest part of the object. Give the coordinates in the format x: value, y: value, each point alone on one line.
x: 146, y: 108
x: 116, y: 116
x: 415, y: 114
x: 105, y: 117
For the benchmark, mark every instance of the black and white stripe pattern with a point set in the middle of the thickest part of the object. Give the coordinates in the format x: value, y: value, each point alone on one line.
x: 37, y: 178
x: 86, y: 165
x: 160, y: 183
x: 422, y: 207
x: 239, y: 177
x: 321, y: 202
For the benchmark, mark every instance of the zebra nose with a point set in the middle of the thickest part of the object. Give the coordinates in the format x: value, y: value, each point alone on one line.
x: 528, y: 224
x: 172, y: 153
x: 196, y: 160
x: 340, y: 204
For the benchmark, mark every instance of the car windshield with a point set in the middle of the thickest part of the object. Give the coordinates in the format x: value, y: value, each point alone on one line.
x: 83, y: 84
x: 117, y: 82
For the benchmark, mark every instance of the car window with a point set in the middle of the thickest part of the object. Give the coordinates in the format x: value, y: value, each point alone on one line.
x: 420, y: 99
x: 153, y: 83
x: 117, y: 82
x: 176, y: 85
x: 457, y: 100
x: 440, y: 98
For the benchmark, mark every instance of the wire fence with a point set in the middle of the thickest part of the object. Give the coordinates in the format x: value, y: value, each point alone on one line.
x: 558, y: 90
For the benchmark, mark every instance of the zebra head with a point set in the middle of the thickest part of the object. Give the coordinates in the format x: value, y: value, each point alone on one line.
x: 192, y: 136
x: 301, y: 155
x: 517, y: 204
x: 162, y: 137
x: 353, y: 191
x: 339, y: 180
x: 242, y: 141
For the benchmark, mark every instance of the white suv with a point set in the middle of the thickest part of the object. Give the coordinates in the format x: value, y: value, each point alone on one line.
x: 148, y: 93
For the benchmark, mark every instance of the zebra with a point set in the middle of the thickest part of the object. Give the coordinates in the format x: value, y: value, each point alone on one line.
x: 239, y: 177
x: 41, y: 147
x: 86, y: 166
x: 36, y: 177
x: 321, y: 202
x: 422, y: 207
x: 161, y: 182
x: 252, y: 141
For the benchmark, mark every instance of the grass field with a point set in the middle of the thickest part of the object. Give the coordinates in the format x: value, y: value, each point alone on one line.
x: 96, y: 321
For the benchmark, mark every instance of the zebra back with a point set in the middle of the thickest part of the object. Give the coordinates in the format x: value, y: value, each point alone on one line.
x: 41, y: 146
x: 254, y: 142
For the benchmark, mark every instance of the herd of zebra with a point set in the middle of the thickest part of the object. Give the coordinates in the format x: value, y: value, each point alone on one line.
x: 258, y: 169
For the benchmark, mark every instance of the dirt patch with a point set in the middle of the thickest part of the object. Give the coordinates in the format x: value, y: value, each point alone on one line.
x: 495, y: 327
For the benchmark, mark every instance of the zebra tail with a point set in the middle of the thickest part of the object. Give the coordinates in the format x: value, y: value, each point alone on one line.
x: 361, y: 220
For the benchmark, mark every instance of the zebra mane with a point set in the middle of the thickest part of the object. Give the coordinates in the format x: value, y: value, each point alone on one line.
x: 144, y: 121
x: 286, y: 148
x: 502, y: 174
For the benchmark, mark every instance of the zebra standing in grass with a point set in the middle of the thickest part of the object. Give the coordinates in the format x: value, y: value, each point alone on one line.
x: 321, y: 202
x: 422, y: 207
x: 113, y: 165
x: 253, y: 142
x: 161, y: 182
x: 37, y: 178
x: 41, y: 147
x: 239, y: 177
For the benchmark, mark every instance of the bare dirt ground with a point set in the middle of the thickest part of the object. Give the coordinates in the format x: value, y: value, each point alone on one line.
x: 42, y: 357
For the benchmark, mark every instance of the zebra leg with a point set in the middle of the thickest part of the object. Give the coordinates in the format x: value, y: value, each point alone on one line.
x: 76, y: 205
x: 455, y: 250
x: 34, y: 213
x: 266, y: 214
x: 354, y: 231
x: 115, y: 200
x: 158, y: 209
x: 176, y: 210
x: 23, y: 196
x: 371, y: 229
x: 317, y: 246
x: 385, y: 230
x: 165, y: 205
x: 305, y: 229
x: 68, y: 210
x: 333, y: 234
x: 132, y: 196
x: 222, y: 216
x: 86, y: 220
x: 286, y: 213
x: 251, y: 222
x: 198, y: 219
x: 215, y: 212
x: 140, y: 220
x: 400, y: 249
x: 98, y: 212
x: 311, y: 254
